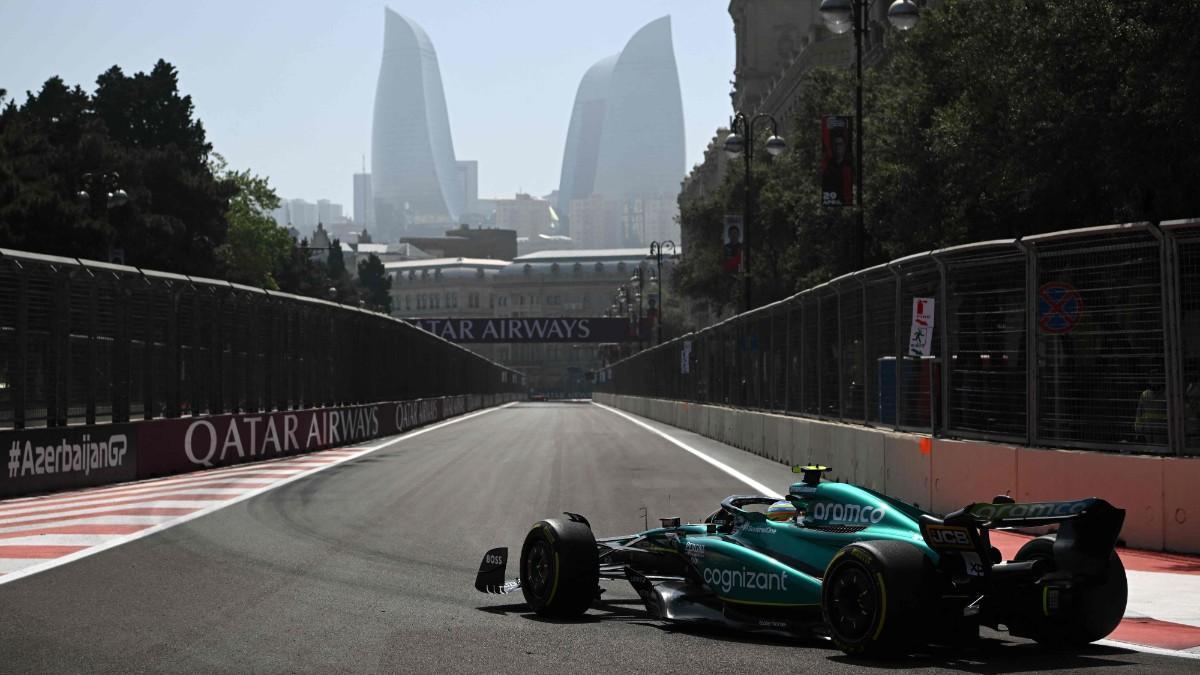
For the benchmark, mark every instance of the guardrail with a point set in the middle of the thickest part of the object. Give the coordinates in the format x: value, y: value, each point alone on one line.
x: 86, y: 342
x: 1085, y: 338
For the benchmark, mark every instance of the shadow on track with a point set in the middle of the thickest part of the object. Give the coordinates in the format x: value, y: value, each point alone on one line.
x: 986, y: 656
x: 992, y: 655
x: 603, y: 611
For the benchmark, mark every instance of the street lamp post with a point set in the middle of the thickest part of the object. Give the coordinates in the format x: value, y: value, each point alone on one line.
x: 656, y: 251
x: 736, y: 145
x: 841, y: 16
x: 639, y: 278
x: 102, y: 192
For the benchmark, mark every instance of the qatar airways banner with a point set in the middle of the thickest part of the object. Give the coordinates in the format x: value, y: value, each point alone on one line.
x: 530, y: 329
x: 188, y: 444
x: 45, y: 460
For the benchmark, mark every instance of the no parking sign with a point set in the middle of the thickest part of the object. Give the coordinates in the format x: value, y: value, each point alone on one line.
x: 1059, y: 308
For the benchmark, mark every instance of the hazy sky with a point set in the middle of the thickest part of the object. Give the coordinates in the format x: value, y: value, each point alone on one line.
x: 287, y: 88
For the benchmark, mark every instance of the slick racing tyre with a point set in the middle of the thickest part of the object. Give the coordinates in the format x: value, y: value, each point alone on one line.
x: 872, y: 598
x: 1094, y: 611
x: 560, y: 569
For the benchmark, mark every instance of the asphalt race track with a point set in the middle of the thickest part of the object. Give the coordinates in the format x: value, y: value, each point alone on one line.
x: 369, y: 565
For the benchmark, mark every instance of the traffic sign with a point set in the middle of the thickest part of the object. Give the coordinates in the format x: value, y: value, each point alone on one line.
x: 1059, y: 308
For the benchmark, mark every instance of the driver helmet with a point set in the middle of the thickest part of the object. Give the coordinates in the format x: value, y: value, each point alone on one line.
x: 781, y: 511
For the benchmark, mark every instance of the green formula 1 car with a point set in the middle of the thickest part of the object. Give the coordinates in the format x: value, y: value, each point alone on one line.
x: 874, y: 574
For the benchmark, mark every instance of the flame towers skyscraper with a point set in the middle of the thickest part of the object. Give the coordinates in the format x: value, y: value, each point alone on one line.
x: 415, y: 178
x: 625, y: 156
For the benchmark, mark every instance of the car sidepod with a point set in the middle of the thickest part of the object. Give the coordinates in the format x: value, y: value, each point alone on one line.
x: 737, y: 574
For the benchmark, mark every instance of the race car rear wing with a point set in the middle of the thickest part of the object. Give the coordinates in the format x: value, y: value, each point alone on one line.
x: 1015, y: 514
x: 1087, y: 532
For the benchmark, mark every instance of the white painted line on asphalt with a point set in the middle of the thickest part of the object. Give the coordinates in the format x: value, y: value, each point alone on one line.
x: 1148, y: 650
x: 762, y: 489
x: 125, y: 539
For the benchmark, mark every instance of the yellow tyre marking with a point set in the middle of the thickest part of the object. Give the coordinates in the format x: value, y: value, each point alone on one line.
x: 882, y: 606
x: 554, y: 588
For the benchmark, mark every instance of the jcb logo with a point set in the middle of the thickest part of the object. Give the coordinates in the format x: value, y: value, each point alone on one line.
x: 953, y: 537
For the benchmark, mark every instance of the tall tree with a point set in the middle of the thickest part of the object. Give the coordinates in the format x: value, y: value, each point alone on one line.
x: 376, y: 284
x: 989, y: 120
x: 256, y: 247
x: 141, y: 129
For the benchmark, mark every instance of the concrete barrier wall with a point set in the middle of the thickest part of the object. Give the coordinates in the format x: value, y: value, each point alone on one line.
x: 1160, y: 495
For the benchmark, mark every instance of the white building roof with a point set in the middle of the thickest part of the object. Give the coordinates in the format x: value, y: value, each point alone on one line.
x: 584, y: 255
x: 440, y: 263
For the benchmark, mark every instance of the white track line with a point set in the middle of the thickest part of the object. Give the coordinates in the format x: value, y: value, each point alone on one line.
x: 1158, y: 651
x: 125, y: 539
x: 762, y: 489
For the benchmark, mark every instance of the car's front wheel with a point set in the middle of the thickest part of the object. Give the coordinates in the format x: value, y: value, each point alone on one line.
x: 874, y: 597
x: 560, y: 568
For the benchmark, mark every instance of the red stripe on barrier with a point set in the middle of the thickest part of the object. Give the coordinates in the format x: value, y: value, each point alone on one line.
x: 1155, y: 633
x: 38, y: 552
x: 75, y: 529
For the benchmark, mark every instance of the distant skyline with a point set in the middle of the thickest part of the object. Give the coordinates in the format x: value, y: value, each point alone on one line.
x: 286, y: 89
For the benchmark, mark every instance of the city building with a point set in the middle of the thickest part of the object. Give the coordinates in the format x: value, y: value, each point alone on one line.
x: 465, y: 242
x: 576, y: 283
x: 364, y: 207
x: 415, y: 178
x: 777, y: 42
x: 527, y: 215
x: 328, y: 212
x: 596, y: 220
x: 625, y: 144
x: 468, y: 176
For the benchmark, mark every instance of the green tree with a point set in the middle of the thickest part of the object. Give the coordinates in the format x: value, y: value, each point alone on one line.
x: 138, y: 127
x: 989, y: 120
x: 376, y: 284
x: 256, y: 247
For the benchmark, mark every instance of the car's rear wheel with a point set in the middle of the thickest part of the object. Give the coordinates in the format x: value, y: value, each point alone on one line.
x: 560, y: 568
x: 1095, y: 611
x: 874, y: 597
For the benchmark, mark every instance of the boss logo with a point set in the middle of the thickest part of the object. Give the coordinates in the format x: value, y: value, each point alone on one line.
x: 954, y: 537
x: 492, y: 559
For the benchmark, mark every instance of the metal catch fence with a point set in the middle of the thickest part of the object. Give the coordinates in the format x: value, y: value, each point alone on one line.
x: 87, y: 342
x: 1084, y: 338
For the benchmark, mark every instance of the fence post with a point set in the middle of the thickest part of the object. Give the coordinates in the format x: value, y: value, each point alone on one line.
x: 820, y: 352
x: 18, y: 366
x: 899, y: 344
x: 59, y: 373
x: 148, y: 322
x: 1031, y: 355
x: 1172, y: 343
x: 120, y: 364
x: 866, y: 351
x: 787, y: 358
x: 174, y: 353
x: 90, y: 361
x: 801, y: 302
x: 943, y: 352
x: 838, y: 350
